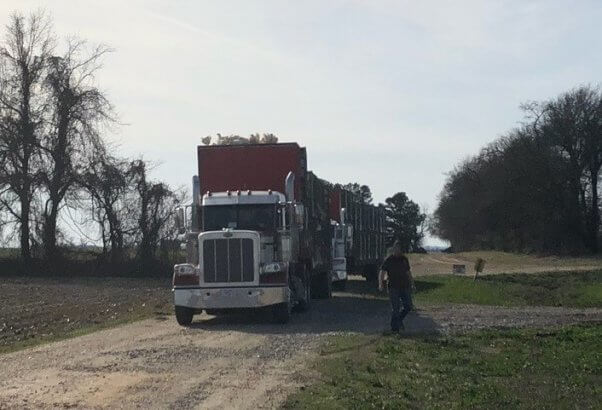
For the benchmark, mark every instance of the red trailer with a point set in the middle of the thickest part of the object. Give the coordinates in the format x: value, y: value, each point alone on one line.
x: 256, y: 167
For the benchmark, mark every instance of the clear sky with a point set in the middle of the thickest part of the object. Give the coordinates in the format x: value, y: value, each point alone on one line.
x: 391, y: 94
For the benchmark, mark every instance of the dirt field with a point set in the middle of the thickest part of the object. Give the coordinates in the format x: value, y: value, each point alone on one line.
x: 37, y: 309
x: 221, y: 362
x: 498, y: 262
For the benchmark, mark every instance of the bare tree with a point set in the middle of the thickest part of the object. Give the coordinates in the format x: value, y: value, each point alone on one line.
x: 23, y: 57
x: 157, y: 203
x: 76, y: 110
x: 107, y: 181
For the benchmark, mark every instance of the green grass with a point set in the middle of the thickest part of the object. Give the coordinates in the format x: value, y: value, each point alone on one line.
x: 559, y: 368
x: 572, y: 289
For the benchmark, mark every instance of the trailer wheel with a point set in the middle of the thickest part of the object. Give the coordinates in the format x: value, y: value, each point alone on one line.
x: 184, y: 315
x: 322, y: 285
x: 281, y: 313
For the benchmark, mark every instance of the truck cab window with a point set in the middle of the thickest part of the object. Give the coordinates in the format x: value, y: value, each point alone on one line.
x: 262, y: 218
x: 257, y: 217
x: 216, y: 218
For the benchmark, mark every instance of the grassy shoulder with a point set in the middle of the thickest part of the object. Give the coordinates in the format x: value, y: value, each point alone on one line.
x: 558, y: 368
x: 500, y: 262
x: 570, y: 289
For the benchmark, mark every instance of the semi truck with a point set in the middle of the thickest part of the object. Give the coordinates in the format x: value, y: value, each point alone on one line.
x: 261, y: 233
x: 359, y: 236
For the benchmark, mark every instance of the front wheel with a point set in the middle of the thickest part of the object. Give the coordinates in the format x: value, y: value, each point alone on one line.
x: 281, y: 313
x: 184, y: 315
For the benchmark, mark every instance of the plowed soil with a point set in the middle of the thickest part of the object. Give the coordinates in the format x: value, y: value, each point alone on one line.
x: 38, y: 309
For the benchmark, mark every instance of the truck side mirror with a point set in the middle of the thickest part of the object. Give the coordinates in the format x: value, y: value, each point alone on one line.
x: 180, y: 220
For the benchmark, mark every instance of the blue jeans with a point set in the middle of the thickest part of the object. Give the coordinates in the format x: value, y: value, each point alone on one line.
x: 398, y: 298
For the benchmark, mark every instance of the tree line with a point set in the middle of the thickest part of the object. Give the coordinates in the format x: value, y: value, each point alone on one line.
x: 55, y: 160
x: 535, y: 189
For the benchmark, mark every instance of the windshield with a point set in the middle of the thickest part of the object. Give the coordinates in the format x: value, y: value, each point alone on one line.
x: 249, y: 217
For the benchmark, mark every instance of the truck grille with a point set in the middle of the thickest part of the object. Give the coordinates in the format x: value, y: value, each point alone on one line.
x: 228, y: 260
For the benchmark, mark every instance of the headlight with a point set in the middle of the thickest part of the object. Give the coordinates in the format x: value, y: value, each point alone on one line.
x: 272, y: 267
x: 274, y: 273
x: 340, y: 274
x: 185, y: 274
x: 184, y: 269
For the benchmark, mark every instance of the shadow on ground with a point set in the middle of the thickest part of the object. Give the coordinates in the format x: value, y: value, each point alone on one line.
x: 360, y: 308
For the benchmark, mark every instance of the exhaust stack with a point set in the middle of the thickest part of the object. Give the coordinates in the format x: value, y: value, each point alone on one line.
x: 196, y: 190
x: 289, y: 187
x: 196, y: 204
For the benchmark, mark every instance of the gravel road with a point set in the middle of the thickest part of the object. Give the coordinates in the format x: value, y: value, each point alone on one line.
x: 239, y: 361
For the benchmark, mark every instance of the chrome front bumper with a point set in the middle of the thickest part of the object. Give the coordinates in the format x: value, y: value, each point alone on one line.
x: 225, y: 298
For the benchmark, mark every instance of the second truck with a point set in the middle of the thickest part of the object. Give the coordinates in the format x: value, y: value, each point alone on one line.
x: 264, y: 232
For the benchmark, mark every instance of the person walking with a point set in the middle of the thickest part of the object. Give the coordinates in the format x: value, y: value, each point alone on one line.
x: 396, y: 271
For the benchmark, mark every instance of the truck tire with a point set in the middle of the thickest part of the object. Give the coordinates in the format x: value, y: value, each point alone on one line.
x: 281, y: 313
x: 184, y: 315
x: 371, y: 273
x: 322, y: 286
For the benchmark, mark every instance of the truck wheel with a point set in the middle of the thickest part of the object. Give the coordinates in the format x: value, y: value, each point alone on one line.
x: 184, y: 315
x: 305, y: 303
x: 281, y: 313
x: 371, y: 273
x: 323, y: 286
